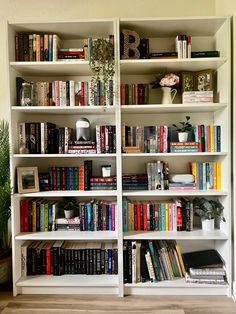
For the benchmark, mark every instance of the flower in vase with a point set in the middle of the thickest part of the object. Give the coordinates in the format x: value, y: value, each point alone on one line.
x: 166, y: 80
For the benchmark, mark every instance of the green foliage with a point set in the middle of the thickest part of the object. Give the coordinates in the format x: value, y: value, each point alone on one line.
x: 68, y: 203
x: 5, y: 190
x: 102, y: 62
x: 183, y: 126
x: 208, y: 209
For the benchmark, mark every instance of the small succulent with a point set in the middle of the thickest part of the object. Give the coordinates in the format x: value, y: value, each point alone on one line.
x: 183, y: 126
x: 208, y: 209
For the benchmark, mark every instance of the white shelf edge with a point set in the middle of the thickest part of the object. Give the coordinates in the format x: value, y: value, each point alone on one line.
x: 68, y: 193
x: 68, y: 281
x: 68, y: 235
x: 63, y: 155
x: 174, y: 193
x: 187, y: 60
x: 197, y: 234
x: 174, y: 154
x: 47, y: 63
x: 62, y: 109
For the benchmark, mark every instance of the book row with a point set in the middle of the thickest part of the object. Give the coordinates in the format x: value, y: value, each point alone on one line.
x: 63, y: 257
x: 36, y: 47
x: 164, y: 139
x: 37, y: 215
x: 152, y: 261
x: 207, y: 175
x: 65, y: 93
x: 46, y: 138
x: 134, y: 94
x: 174, y: 215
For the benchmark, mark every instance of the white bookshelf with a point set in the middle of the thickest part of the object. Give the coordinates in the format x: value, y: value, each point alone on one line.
x: 208, y: 33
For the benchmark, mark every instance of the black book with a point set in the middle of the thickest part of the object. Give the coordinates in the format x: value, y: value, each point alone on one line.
x: 26, y: 47
x: 205, y: 54
x: 21, y: 46
x: 143, y: 265
x: 87, y: 174
x: 129, y: 262
x: 202, y: 259
x: 102, y: 261
x: 37, y: 138
x: 144, y: 48
x: 125, y: 261
x: 115, y: 261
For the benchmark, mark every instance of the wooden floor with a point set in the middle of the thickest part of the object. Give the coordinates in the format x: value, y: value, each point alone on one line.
x: 40, y: 304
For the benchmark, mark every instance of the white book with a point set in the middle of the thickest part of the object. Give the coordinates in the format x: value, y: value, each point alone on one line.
x: 22, y: 137
x: 42, y: 127
x: 72, y: 93
x: 24, y: 247
x: 98, y: 136
x: 138, y: 264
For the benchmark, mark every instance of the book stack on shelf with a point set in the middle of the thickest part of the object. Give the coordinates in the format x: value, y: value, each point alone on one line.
x: 182, y: 182
x: 65, y: 54
x: 103, y: 183
x: 134, y: 181
x: 37, y: 215
x: 205, y: 267
x: 60, y: 257
x: 46, y: 138
x: 197, y: 96
x: 152, y: 261
x: 174, y: 215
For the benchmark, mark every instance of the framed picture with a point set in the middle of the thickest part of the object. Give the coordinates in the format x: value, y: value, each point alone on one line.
x: 187, y: 81
x: 203, y: 80
x: 27, y: 179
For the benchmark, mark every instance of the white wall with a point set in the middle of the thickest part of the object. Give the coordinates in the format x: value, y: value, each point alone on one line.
x: 50, y: 10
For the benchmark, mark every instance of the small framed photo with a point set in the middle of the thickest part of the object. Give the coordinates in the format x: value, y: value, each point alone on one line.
x: 204, y: 80
x: 187, y: 79
x: 27, y: 179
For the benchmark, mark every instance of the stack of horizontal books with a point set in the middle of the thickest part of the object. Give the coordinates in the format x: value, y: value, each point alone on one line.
x: 205, y: 267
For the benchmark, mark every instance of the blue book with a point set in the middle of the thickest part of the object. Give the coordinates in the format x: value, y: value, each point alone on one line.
x: 89, y: 213
x: 218, y: 142
x: 109, y: 261
x: 50, y: 217
x: 125, y: 215
x: 110, y: 217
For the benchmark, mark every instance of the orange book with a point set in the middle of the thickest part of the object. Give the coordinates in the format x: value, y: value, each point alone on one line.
x: 214, y: 176
x: 122, y: 92
x: 212, y: 138
x: 208, y: 138
x: 218, y: 175
x: 81, y: 178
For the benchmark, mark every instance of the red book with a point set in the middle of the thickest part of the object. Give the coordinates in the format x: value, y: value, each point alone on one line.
x: 82, y: 93
x: 199, y: 138
x: 54, y: 179
x: 145, y: 216
x: 122, y: 92
x: 161, y: 138
x: 179, y: 216
x: 25, y: 216
x: 113, y: 215
x: 81, y: 178
x: 63, y: 178
x: 22, y: 214
x: 139, y: 216
x: 48, y: 260
x: 140, y: 94
x: 102, y: 138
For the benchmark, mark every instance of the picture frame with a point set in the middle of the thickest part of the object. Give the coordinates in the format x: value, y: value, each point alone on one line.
x: 203, y: 80
x: 27, y: 179
x: 187, y: 81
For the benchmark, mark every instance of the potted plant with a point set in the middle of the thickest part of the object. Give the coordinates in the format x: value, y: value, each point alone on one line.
x: 5, y: 203
x: 69, y: 205
x: 102, y: 64
x: 166, y: 82
x: 208, y: 210
x: 183, y: 129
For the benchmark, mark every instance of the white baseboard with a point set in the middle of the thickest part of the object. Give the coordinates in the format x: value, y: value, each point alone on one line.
x: 234, y: 291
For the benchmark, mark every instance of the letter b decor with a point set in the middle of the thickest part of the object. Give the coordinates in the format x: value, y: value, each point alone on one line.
x: 131, y: 41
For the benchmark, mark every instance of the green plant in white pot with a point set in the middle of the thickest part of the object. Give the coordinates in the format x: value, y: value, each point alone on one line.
x: 69, y: 205
x: 208, y: 210
x: 5, y: 203
x: 183, y: 129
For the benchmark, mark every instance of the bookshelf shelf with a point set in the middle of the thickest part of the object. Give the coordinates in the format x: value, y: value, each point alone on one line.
x: 68, y: 235
x: 69, y: 194
x: 207, y: 33
x: 174, y: 193
x: 69, y: 281
x: 64, y: 110
x: 180, y: 235
x: 64, y: 155
x: 172, y: 108
x: 153, y: 66
x: 51, y: 68
x: 173, y: 154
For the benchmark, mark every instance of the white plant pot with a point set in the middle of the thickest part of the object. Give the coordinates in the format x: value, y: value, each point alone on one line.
x: 69, y: 213
x: 183, y: 136
x: 208, y: 224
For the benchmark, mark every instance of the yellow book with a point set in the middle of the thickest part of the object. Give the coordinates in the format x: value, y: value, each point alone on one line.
x: 34, y: 216
x: 218, y: 175
x: 45, y: 216
x: 212, y: 138
x: 180, y: 259
x: 167, y: 216
x: 214, y: 175
x: 194, y: 169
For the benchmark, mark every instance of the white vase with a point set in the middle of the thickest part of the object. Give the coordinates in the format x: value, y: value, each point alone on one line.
x: 208, y: 224
x: 69, y: 213
x: 168, y: 95
x: 183, y: 136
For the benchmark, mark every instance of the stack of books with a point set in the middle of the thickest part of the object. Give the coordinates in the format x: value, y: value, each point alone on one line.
x: 135, y: 182
x: 103, y: 183
x: 184, y: 147
x: 152, y: 261
x: 131, y: 149
x: 82, y: 147
x: 70, y: 54
x: 197, y: 96
x: 206, y: 267
x: 163, y: 55
x: 70, y: 224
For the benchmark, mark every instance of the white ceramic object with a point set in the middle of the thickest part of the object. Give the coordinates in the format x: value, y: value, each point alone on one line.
x: 69, y: 213
x: 208, y: 224
x: 168, y: 95
x: 183, y: 136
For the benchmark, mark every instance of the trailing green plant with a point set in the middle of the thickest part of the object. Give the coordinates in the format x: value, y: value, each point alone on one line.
x: 5, y: 190
x: 208, y: 209
x: 102, y: 64
x: 184, y: 126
